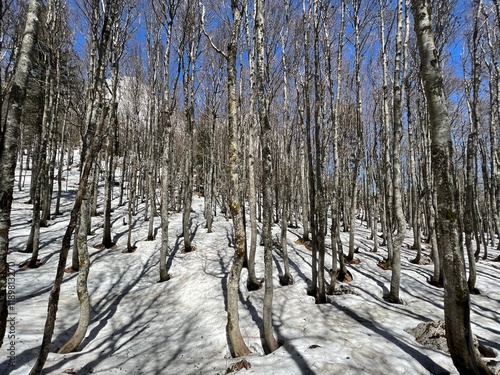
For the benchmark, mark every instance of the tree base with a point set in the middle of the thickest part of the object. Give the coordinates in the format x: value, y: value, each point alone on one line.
x: 437, y: 284
x: 393, y: 300
x: 475, y: 291
x: 102, y: 246
x: 422, y: 260
x: 304, y: 241
x: 188, y: 249
x: 385, y: 265
x: 286, y: 280
x: 253, y: 285
x: 314, y: 292
x: 129, y: 250
x: 27, y: 264
x: 168, y: 277
x: 343, y: 276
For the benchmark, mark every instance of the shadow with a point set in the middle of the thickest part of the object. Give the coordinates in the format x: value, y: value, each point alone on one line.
x: 295, y: 355
x: 278, y: 265
x: 296, y: 268
x: 400, y: 309
x: 193, y: 233
x: 427, y: 362
x: 124, y: 232
x: 67, y: 278
x: 172, y: 253
x: 255, y: 317
x: 107, y: 307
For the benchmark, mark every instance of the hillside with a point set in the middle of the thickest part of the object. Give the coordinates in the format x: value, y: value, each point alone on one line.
x: 140, y: 326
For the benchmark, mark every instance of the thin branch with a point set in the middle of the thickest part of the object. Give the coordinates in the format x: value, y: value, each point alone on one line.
x: 217, y: 49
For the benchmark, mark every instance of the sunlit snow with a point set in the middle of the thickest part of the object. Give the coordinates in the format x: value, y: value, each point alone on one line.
x: 140, y: 326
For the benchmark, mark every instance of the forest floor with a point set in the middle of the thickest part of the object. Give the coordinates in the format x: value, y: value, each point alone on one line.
x: 140, y: 326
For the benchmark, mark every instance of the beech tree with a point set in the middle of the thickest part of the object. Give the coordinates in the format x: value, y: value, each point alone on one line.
x: 456, y: 297
x: 398, y: 95
x: 166, y: 13
x: 265, y: 139
x: 189, y: 50
x: 253, y: 283
x: 9, y: 145
x: 100, y: 29
x: 237, y: 345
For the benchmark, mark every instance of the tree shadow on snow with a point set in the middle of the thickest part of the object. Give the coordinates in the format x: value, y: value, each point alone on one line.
x: 295, y: 355
x: 102, y: 312
x: 255, y: 316
x: 68, y: 277
x: 427, y: 362
x: 172, y: 253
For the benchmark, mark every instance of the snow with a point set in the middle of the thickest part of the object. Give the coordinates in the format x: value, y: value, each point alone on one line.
x: 140, y: 326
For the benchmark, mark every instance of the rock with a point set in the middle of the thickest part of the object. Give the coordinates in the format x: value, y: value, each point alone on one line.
x: 431, y: 335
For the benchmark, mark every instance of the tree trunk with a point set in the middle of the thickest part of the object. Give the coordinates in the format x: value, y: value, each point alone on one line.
x: 133, y: 188
x: 192, y: 44
x: 61, y: 164
x: 9, y: 146
x: 415, y: 196
x: 387, y: 165
x: 107, y: 240
x: 209, y: 188
x: 469, y: 217
x: 81, y: 283
x: 267, y: 173
x: 237, y: 345
x: 337, y: 251
x: 456, y: 296
x: 286, y: 278
x: 359, y: 126
x: 398, y: 94
x: 253, y: 283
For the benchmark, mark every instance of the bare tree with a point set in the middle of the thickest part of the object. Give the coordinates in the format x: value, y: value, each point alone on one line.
x: 9, y: 145
x: 101, y: 24
x: 398, y: 95
x: 167, y: 12
x: 265, y: 139
x: 253, y: 283
x: 456, y: 297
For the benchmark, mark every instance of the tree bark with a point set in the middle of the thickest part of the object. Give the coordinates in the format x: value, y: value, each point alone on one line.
x: 267, y: 173
x: 169, y: 16
x: 189, y: 72
x: 81, y: 283
x: 9, y: 146
x: 456, y: 296
x: 398, y: 94
x: 237, y: 345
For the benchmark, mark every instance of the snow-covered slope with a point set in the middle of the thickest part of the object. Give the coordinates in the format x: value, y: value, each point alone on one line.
x: 140, y: 326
